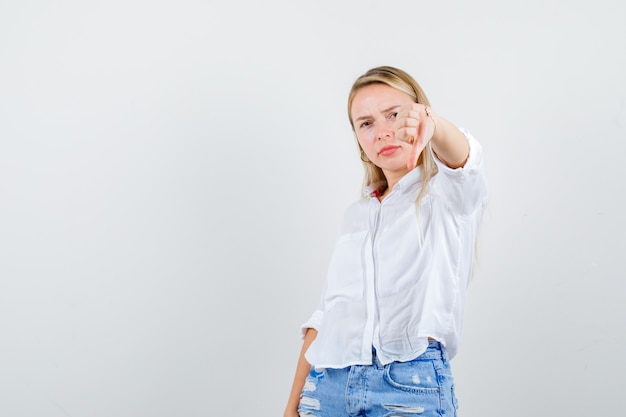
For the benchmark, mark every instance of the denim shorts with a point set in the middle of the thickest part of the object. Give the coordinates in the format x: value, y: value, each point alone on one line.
x: 422, y: 387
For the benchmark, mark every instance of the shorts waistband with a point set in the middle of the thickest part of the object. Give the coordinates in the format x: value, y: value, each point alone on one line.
x: 434, y: 350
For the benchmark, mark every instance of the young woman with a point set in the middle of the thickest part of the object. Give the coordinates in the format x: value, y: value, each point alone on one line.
x: 391, y: 314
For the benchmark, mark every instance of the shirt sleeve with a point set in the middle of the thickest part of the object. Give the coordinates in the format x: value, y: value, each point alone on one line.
x: 314, y: 322
x: 465, y: 187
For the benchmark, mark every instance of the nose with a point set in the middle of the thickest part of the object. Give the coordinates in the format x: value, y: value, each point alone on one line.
x: 385, y: 131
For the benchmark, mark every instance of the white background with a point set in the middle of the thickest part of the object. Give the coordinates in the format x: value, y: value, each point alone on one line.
x: 172, y: 175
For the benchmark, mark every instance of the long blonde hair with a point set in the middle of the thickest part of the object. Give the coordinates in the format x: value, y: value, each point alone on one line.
x: 400, y: 80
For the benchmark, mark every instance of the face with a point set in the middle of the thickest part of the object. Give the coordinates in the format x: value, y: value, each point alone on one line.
x: 373, y: 113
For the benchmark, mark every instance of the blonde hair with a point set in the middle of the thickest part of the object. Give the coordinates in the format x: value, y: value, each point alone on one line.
x: 400, y: 80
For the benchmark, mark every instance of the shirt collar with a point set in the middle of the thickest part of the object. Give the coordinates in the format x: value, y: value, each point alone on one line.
x: 407, y: 182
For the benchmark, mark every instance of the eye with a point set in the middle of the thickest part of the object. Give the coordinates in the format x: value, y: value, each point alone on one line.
x: 366, y: 123
x: 393, y: 115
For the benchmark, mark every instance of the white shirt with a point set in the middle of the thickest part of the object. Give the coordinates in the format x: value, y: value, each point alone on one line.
x: 398, y: 273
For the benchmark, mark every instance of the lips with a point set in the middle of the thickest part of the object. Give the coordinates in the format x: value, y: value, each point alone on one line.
x: 388, y: 150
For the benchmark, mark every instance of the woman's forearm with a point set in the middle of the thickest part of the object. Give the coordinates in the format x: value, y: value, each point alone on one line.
x: 449, y: 143
x: 302, y: 371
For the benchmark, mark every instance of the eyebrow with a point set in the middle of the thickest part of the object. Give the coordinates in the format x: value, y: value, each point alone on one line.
x: 395, y: 106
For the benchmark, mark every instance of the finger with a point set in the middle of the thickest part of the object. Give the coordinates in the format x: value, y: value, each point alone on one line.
x: 407, y: 134
x: 426, y: 129
x: 414, y: 154
x: 408, y: 116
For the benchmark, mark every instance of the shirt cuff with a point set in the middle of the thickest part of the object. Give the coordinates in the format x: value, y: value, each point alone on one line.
x: 473, y: 160
x: 314, y: 322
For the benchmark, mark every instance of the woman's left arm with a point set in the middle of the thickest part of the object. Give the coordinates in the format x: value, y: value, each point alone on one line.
x: 449, y: 143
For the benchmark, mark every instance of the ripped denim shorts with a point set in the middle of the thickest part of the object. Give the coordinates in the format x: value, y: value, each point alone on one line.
x: 423, y: 387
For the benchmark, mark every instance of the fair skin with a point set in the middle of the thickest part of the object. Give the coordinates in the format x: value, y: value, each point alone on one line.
x: 392, y: 130
x: 302, y: 370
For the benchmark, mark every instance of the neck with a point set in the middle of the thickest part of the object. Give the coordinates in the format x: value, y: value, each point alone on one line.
x: 393, y: 178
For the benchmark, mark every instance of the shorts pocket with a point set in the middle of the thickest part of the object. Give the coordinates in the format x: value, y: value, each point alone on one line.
x: 417, y: 376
